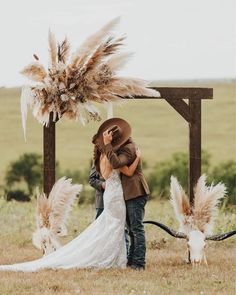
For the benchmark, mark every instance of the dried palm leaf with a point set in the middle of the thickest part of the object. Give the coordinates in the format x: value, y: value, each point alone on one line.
x: 69, y: 89
x: 63, y: 51
x: 61, y: 199
x: 52, y: 213
x: 26, y: 100
x: 91, y: 43
x: 43, y: 211
x: 179, y: 202
x: 110, y: 46
x: 206, y: 203
x: 35, y: 72
x: 52, y: 49
x: 132, y: 87
x: 118, y: 61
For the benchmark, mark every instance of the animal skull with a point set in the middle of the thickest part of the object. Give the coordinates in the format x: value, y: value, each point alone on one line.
x: 196, y: 245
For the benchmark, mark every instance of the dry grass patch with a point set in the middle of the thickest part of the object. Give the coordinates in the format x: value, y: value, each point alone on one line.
x: 166, y: 271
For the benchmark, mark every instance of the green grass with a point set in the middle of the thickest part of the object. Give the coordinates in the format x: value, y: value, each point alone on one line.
x: 157, y: 129
x: 166, y: 272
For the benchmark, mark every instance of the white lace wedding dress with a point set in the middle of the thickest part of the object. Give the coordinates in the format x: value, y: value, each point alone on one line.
x: 101, y: 245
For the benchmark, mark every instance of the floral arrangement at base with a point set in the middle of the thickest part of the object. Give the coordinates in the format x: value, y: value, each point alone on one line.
x: 70, y: 87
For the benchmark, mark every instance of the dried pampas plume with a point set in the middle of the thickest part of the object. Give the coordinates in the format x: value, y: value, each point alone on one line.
x: 202, y: 214
x: 52, y: 213
x: 69, y: 88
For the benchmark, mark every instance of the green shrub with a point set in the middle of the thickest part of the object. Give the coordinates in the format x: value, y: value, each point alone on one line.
x: 27, y: 169
x: 18, y: 195
x: 177, y: 165
x: 226, y: 173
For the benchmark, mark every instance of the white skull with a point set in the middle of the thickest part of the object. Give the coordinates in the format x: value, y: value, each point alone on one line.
x: 196, y: 245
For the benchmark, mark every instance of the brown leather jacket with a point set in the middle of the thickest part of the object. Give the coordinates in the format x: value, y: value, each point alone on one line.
x: 133, y: 186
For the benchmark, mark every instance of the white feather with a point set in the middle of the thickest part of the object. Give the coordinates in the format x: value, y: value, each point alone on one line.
x: 206, y: 203
x: 61, y: 199
x: 200, y: 190
x: 118, y: 61
x: 176, y: 192
x: 26, y: 99
x: 83, y: 52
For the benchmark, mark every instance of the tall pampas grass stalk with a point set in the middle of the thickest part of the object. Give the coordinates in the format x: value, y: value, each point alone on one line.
x: 71, y: 86
x: 202, y: 214
x: 52, y: 213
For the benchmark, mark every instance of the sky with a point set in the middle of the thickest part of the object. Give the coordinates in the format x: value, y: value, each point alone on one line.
x: 171, y: 40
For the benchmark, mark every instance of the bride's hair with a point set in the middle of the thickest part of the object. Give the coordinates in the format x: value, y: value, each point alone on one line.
x: 96, y: 157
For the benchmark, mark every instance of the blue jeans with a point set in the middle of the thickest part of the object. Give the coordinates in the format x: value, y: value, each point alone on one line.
x: 135, y: 209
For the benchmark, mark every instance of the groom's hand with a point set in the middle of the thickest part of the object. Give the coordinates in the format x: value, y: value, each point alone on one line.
x: 107, y: 137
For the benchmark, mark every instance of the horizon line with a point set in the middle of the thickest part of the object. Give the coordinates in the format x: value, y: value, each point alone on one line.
x: 151, y: 81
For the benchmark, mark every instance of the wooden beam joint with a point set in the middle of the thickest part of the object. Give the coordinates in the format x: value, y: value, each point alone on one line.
x: 181, y: 107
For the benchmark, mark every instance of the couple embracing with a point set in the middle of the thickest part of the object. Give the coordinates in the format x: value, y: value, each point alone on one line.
x: 102, y: 243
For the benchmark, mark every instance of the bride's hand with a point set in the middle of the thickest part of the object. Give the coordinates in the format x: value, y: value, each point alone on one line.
x: 138, y: 152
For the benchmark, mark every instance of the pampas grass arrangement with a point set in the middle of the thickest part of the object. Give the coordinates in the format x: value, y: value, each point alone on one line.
x: 70, y: 86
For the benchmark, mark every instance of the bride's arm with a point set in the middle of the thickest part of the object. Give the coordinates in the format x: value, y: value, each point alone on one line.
x: 129, y: 171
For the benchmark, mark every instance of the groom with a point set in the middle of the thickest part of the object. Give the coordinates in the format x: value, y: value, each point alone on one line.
x: 135, y: 188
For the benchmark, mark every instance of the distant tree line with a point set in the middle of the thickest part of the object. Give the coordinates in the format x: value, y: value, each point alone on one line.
x: 25, y: 174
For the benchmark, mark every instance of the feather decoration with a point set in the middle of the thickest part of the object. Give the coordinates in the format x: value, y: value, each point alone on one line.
x: 206, y: 203
x: 180, y: 203
x: 26, y: 96
x: 118, y: 61
x: 43, y: 211
x: 206, y: 199
x: 130, y: 87
x: 92, y: 42
x: 110, y: 46
x: 69, y: 89
x: 63, y: 51
x: 52, y: 49
x: 35, y: 72
x: 61, y: 199
x: 52, y: 213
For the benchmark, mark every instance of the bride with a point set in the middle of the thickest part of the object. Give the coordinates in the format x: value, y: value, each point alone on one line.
x: 102, y: 243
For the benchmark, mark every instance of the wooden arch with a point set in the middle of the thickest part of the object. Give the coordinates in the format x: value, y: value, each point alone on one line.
x: 175, y: 96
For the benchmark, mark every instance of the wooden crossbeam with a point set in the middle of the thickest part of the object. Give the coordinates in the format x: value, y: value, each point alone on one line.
x: 175, y: 96
x: 181, y: 93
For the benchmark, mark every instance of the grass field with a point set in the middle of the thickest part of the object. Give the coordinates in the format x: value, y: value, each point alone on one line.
x: 157, y: 129
x: 166, y: 272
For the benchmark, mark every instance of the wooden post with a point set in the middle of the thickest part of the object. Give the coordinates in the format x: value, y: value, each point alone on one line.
x: 49, y: 158
x: 194, y: 145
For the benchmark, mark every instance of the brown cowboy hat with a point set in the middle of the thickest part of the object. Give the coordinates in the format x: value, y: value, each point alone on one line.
x: 120, y: 129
